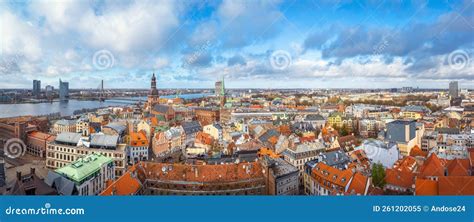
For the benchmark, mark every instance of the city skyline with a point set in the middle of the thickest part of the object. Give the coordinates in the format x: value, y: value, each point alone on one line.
x: 188, y: 44
x: 447, y: 88
x: 109, y: 108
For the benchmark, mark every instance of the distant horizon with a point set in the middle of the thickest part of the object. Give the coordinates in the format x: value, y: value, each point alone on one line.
x: 238, y: 88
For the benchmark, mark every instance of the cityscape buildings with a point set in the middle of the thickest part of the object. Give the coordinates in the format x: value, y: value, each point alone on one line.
x: 37, y: 88
x: 453, y: 89
x: 251, y: 145
x: 237, y: 97
x: 63, y: 90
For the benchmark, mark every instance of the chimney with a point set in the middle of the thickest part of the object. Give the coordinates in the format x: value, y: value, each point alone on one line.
x: 18, y: 175
x: 32, y: 170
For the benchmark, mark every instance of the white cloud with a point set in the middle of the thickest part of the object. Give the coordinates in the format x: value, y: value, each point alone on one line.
x: 61, y: 16
x: 140, y: 26
x: 19, y: 38
x: 161, y: 63
x: 354, y: 68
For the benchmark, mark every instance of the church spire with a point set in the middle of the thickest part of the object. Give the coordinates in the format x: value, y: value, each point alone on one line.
x: 222, y: 87
x: 222, y: 94
x: 153, y: 90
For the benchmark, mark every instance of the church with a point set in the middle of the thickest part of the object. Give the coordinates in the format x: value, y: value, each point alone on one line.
x: 153, y: 97
x: 153, y: 103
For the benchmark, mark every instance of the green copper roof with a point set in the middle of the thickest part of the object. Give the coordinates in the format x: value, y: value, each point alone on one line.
x: 161, y: 128
x: 84, y: 167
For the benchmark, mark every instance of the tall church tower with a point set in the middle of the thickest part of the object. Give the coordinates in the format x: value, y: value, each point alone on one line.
x: 153, y: 97
x: 222, y: 94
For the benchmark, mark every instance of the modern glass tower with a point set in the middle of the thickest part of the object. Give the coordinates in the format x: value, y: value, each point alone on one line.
x: 36, y: 88
x: 453, y: 89
x: 63, y: 90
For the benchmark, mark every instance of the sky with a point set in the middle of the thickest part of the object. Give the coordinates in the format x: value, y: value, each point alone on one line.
x: 251, y: 43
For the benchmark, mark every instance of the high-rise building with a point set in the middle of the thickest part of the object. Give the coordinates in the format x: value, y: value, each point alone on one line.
x: 36, y: 88
x: 63, y: 90
x: 453, y: 89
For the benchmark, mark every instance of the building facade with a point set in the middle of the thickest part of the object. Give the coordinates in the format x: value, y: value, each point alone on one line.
x: 281, y: 177
x: 86, y: 176
x: 64, y: 125
x: 68, y: 147
x: 36, y: 143
x: 138, y: 147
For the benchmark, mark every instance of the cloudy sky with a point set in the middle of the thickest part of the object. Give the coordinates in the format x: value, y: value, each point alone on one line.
x: 258, y: 44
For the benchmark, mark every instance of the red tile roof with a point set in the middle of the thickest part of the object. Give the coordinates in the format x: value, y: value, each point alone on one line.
x: 42, y: 136
x: 454, y: 185
x: 458, y: 167
x: 347, y: 141
x: 425, y: 187
x: 433, y: 166
x: 138, y: 139
x: 200, y: 173
x: 203, y: 138
x: 416, y: 151
x: 285, y: 130
x: 358, y: 184
x: 127, y: 184
x: 401, y: 177
x: 408, y: 163
x: 361, y: 158
x: 332, y: 175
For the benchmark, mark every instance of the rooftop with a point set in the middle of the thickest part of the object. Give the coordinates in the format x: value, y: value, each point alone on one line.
x: 358, y: 184
x: 42, y: 136
x: 336, y: 158
x: 65, y: 122
x: 333, y: 175
x: 199, y: 173
x: 101, y: 140
x: 127, y: 184
x: 401, y: 177
x: 433, y: 166
x: 84, y: 167
x: 119, y: 127
x: 138, y: 139
x: 280, y: 167
x: 67, y: 137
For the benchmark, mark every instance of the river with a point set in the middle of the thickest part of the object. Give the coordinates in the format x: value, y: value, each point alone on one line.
x: 36, y: 109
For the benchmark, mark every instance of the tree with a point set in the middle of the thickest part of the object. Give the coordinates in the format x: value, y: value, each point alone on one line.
x: 378, y: 175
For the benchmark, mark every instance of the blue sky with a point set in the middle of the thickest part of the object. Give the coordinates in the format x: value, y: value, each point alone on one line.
x: 258, y: 44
